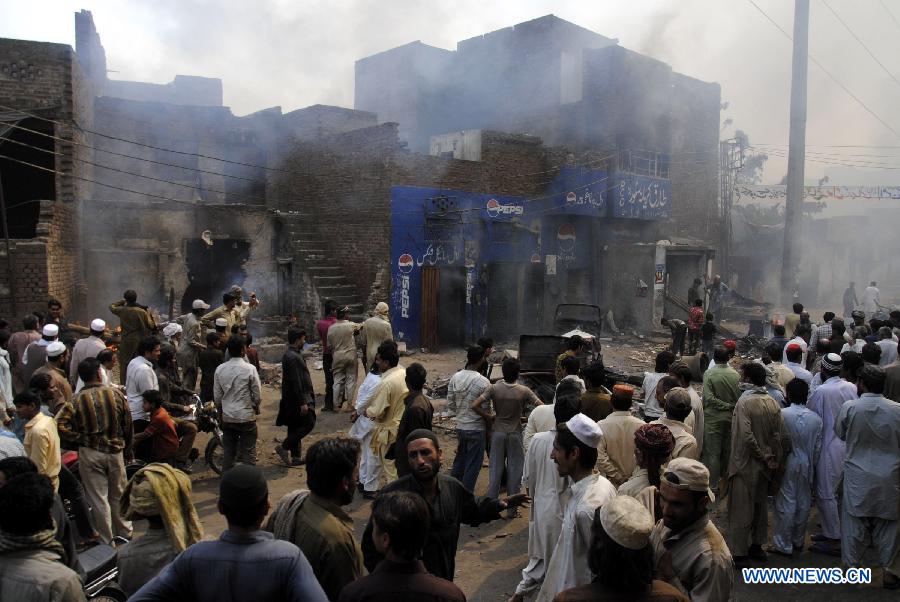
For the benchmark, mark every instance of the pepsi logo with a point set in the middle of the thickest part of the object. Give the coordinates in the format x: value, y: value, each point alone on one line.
x: 565, y: 236
x: 535, y: 258
x: 496, y: 209
x: 571, y: 198
x: 405, y: 263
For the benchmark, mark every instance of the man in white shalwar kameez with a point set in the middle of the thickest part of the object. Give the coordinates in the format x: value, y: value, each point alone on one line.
x: 826, y: 402
x: 549, y: 493
x: 794, y: 499
x: 870, y: 426
x: 575, y: 454
x: 362, y: 429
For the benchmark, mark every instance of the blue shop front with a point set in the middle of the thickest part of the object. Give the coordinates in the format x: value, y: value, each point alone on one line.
x: 471, y: 264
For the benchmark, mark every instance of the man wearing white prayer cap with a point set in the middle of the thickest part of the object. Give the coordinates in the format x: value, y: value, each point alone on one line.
x: 57, y: 355
x: 87, y: 347
x: 575, y: 454
x: 621, y: 558
x: 172, y: 330
x: 35, y: 354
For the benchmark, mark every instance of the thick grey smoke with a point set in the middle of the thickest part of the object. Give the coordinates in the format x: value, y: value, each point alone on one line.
x: 293, y: 54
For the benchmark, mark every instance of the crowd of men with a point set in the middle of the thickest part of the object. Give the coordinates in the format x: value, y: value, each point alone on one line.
x: 621, y: 485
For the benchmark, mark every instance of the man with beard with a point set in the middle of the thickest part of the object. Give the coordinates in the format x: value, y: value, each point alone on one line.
x: 759, y: 443
x: 575, y: 454
x: 550, y: 492
x: 449, y: 503
x: 314, y: 520
x: 688, y: 550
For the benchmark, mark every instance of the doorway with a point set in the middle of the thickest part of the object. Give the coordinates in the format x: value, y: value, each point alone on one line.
x: 503, y: 300
x: 451, y: 307
x: 212, y: 269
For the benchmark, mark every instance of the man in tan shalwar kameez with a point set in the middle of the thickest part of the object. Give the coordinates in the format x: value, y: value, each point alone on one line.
x: 760, y: 442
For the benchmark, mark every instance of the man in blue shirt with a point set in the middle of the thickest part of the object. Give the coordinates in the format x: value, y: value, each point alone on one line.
x: 245, y: 563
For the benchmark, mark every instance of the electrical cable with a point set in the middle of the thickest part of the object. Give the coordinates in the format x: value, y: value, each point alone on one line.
x: 828, y: 73
x: 861, y: 43
x: 890, y: 14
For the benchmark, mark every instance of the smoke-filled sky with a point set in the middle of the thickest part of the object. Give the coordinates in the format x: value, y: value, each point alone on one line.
x: 297, y: 53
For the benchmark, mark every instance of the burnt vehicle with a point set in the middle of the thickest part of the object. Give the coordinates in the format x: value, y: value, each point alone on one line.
x: 578, y: 316
x: 537, y: 359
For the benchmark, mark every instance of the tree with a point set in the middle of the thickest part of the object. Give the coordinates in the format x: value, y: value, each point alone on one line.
x: 751, y: 171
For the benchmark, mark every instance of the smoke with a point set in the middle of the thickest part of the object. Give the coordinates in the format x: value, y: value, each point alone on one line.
x: 294, y: 54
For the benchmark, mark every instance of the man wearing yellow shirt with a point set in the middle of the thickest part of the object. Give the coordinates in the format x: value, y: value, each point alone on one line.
x: 387, y: 406
x: 41, y: 436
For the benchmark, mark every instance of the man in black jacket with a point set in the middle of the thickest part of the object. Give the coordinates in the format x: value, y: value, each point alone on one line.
x: 297, y: 407
x: 449, y: 503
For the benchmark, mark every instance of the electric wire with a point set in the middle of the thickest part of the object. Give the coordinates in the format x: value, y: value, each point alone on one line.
x: 861, y: 43
x: 828, y: 73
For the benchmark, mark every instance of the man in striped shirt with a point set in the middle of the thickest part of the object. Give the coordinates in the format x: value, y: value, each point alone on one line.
x: 99, y: 421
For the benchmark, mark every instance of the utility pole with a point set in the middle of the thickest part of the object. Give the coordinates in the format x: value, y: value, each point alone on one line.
x: 796, y: 151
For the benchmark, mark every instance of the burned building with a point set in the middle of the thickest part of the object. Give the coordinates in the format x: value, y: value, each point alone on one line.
x: 115, y: 184
x: 617, y: 207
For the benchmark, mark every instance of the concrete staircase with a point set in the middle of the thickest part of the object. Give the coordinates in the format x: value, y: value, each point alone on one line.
x: 328, y: 279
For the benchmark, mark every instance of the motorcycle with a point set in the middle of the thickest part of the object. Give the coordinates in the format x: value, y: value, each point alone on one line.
x: 206, y: 416
x: 100, y: 564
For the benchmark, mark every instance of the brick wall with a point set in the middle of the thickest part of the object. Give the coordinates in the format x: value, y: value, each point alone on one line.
x: 43, y: 77
x: 33, y: 74
x: 44, y: 266
x: 59, y: 226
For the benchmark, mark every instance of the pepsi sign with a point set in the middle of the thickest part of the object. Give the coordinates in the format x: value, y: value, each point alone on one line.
x: 496, y: 209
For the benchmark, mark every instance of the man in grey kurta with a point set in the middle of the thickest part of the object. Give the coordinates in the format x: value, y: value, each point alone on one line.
x: 192, y: 343
x: 870, y: 427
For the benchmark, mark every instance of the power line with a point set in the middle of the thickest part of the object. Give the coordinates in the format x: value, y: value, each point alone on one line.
x: 831, y: 145
x: 816, y: 159
x: 77, y: 177
x: 102, y: 150
x: 193, y: 204
x: 890, y: 14
x: 137, y: 175
x: 189, y: 154
x: 828, y: 73
x: 861, y: 43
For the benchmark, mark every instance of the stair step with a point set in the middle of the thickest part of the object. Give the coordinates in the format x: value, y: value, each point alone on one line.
x: 346, y: 299
x: 330, y: 279
x: 318, y: 269
x: 335, y: 288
